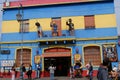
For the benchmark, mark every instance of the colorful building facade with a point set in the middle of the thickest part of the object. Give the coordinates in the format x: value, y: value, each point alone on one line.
x: 45, y: 35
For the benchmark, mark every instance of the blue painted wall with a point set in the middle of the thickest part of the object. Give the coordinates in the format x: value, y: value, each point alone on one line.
x: 61, y: 10
x: 80, y: 33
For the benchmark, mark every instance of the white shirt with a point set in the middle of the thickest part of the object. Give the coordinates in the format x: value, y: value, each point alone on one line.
x: 115, y: 69
x: 52, y: 69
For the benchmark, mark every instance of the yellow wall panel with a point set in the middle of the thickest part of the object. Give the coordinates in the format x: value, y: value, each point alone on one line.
x: 10, y: 26
x: 44, y: 22
x: 101, y: 21
x: 105, y: 21
x: 77, y: 20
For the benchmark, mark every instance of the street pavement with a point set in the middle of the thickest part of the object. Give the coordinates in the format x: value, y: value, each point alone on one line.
x: 56, y: 78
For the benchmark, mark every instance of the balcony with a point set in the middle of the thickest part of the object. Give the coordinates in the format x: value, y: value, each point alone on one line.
x: 52, y: 40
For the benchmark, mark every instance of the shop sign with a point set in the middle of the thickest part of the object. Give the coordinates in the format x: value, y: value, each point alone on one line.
x: 7, y: 63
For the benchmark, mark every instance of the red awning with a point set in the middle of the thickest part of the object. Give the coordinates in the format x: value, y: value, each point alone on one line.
x: 56, y: 54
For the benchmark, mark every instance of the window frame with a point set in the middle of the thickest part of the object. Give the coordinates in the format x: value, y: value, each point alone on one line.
x: 89, y: 21
x: 24, y: 26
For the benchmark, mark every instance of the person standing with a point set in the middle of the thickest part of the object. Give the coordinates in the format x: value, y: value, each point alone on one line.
x: 13, y: 73
x: 90, y: 71
x: 23, y: 70
x: 103, y: 72
x: 29, y: 72
x: 99, y: 70
x: 52, y: 69
x: 38, y: 71
x: 87, y: 67
x: 115, y: 68
x: 71, y: 72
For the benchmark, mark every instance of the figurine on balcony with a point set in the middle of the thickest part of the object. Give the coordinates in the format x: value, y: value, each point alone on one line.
x: 71, y: 27
x: 39, y: 29
x: 54, y: 27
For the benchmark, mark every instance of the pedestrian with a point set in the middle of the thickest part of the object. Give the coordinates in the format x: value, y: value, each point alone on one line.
x: 71, y: 72
x: 29, y: 72
x: 90, y: 71
x: 99, y: 70
x: 38, y: 71
x: 52, y: 69
x: 23, y: 70
x: 103, y: 72
x: 119, y: 75
x: 13, y: 73
x: 115, y: 68
x: 87, y: 67
x: 15, y: 70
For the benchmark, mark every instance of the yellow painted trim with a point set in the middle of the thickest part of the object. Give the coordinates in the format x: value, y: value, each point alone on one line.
x: 91, y: 45
x: 102, y: 38
x: 58, y: 39
x: 42, y: 63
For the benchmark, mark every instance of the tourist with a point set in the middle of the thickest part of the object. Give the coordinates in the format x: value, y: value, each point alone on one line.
x: 52, y: 69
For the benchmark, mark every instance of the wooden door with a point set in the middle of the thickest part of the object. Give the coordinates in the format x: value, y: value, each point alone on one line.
x: 92, y: 53
x: 26, y: 57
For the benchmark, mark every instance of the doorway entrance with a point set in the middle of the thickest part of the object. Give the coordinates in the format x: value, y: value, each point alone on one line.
x: 59, y: 57
x: 62, y: 65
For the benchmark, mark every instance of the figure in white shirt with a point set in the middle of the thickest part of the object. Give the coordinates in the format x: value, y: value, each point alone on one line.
x: 52, y: 69
x: 115, y: 68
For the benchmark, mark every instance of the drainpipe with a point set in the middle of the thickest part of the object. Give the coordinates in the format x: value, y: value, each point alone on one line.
x: 1, y: 13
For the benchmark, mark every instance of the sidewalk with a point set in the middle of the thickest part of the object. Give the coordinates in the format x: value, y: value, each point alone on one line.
x: 56, y: 78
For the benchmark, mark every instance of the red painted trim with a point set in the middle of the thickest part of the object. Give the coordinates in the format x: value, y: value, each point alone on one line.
x: 43, y: 2
x: 56, y: 55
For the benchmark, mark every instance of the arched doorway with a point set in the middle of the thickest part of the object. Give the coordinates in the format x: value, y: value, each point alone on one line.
x: 59, y: 57
x: 26, y: 57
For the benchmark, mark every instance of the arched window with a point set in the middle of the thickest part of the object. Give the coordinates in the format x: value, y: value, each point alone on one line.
x: 92, y: 53
x: 26, y: 57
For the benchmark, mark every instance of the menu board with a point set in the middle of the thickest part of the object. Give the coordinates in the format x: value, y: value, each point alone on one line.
x: 7, y: 63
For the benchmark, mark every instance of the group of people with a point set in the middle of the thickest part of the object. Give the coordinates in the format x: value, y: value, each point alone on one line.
x: 76, y: 71
x: 28, y: 72
x: 24, y: 72
x: 104, y: 74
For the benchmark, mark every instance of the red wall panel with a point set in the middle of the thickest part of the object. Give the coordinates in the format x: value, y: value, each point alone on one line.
x: 42, y: 2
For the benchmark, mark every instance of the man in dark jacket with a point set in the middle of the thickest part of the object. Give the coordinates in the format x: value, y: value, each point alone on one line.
x: 102, y: 72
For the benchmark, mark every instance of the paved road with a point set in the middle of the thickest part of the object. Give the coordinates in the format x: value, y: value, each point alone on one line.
x: 56, y: 78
